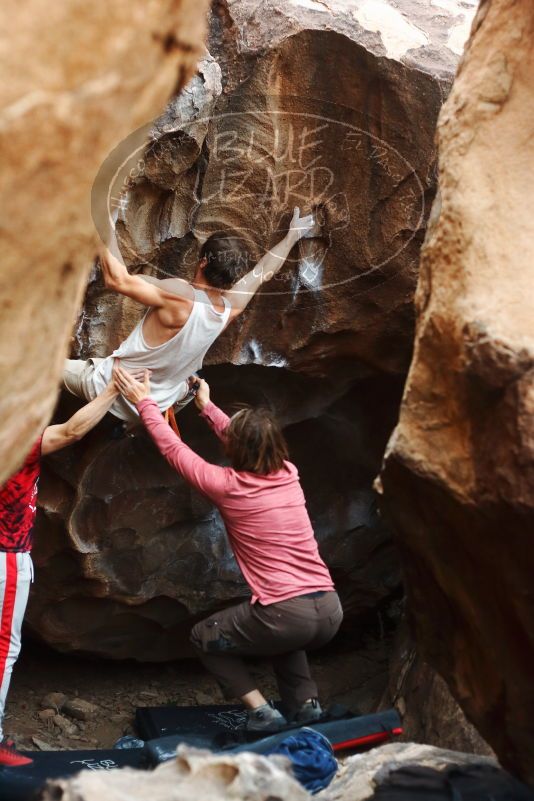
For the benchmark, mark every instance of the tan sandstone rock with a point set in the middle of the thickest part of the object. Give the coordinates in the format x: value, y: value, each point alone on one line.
x: 77, y: 77
x: 194, y: 775
x: 370, y: 775
x: 459, y: 472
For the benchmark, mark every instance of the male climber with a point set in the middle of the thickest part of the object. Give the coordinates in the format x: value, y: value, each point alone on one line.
x: 183, y: 319
x: 18, y: 508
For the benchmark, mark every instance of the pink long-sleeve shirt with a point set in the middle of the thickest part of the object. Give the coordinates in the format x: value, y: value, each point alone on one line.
x: 265, y: 516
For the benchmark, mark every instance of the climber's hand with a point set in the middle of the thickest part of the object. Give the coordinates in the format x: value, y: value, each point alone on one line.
x: 301, y: 226
x: 202, y: 398
x: 130, y: 388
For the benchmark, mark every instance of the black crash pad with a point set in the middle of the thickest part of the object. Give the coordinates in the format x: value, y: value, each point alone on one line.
x: 215, y: 727
x: 204, y: 722
x: 21, y: 783
x: 226, y: 732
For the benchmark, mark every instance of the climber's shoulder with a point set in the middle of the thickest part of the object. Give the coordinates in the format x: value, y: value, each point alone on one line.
x: 175, y: 289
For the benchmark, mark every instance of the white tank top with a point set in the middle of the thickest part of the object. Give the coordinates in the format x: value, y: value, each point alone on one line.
x: 172, y: 362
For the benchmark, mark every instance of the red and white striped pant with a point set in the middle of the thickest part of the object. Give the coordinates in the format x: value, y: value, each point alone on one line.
x: 16, y: 575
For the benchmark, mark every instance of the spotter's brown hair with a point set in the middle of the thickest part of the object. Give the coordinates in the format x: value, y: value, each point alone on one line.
x: 255, y: 443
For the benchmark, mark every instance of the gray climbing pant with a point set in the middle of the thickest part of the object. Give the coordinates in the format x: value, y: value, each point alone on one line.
x: 282, y: 631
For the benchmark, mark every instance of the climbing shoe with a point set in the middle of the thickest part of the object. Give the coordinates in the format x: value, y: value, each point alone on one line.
x: 10, y: 757
x: 265, y: 719
x: 308, y: 712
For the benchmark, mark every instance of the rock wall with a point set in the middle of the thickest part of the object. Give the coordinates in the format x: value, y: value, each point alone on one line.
x: 311, y: 105
x: 429, y: 712
x: 306, y: 105
x: 77, y: 79
x: 459, y: 472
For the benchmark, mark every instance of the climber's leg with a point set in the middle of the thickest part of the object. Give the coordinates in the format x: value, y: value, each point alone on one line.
x: 16, y: 573
x: 77, y: 375
x: 220, y: 646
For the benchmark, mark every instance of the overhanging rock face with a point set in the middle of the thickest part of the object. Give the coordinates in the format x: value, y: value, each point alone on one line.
x: 459, y: 472
x: 310, y: 105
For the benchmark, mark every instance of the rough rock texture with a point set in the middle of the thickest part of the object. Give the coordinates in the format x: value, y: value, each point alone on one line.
x: 77, y: 78
x: 459, y: 474
x: 372, y: 776
x: 128, y: 556
x: 192, y: 776
x: 429, y: 712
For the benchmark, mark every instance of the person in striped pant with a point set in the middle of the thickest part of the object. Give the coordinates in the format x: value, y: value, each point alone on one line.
x: 18, y: 507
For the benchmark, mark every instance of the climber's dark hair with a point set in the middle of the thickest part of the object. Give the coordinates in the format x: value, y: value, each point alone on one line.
x: 227, y: 259
x: 255, y: 443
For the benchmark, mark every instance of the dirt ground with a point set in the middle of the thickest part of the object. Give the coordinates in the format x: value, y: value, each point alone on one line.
x: 348, y: 672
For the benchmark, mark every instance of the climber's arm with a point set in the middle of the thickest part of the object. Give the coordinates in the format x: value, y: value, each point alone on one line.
x: 145, y: 289
x: 59, y: 436
x: 117, y: 277
x: 170, y: 286
x: 269, y: 265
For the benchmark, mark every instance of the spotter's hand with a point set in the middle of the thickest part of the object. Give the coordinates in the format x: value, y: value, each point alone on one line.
x: 138, y: 374
x: 131, y: 389
x: 202, y: 398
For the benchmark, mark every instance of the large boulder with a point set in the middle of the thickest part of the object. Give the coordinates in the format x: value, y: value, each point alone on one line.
x: 459, y: 472
x: 323, y: 107
x: 329, y: 107
x: 78, y: 77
